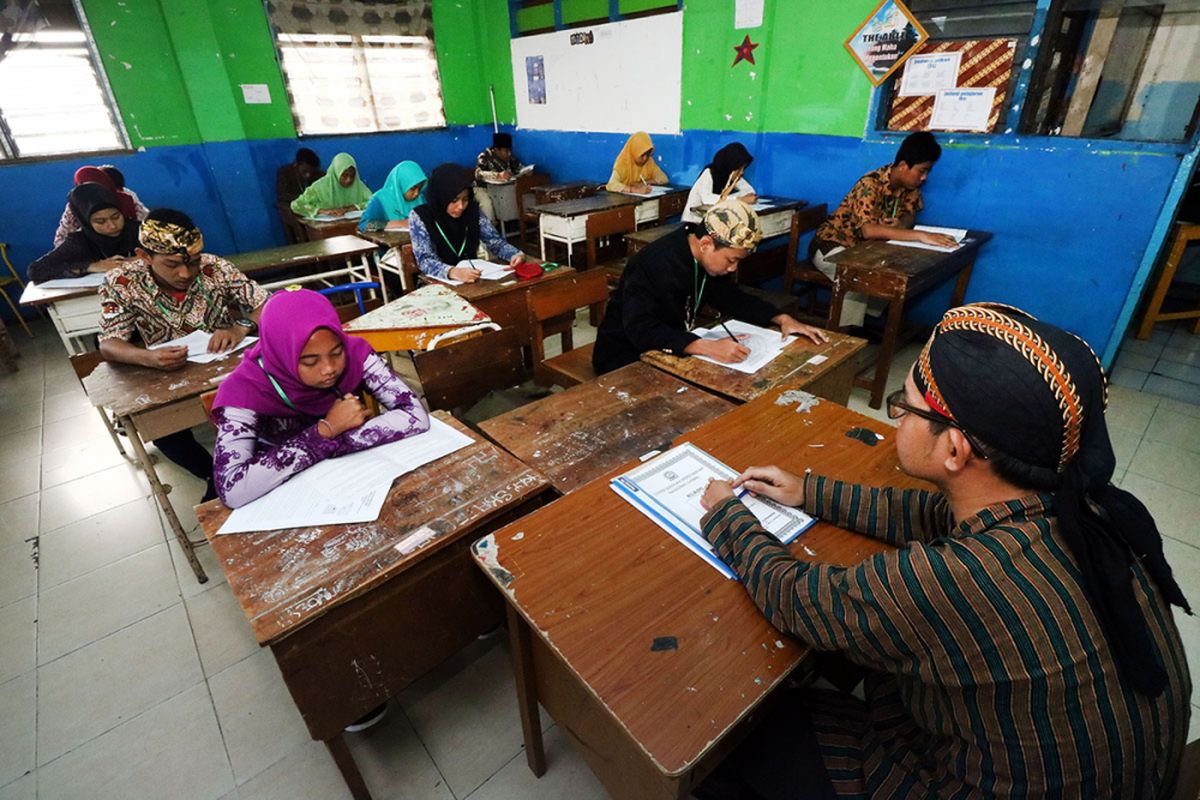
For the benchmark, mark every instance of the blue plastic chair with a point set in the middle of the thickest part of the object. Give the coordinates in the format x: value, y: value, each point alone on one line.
x: 357, y: 288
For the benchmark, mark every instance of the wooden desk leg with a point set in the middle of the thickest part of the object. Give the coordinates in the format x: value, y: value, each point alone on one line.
x: 887, y: 349
x: 527, y: 700
x: 160, y: 494
x: 1164, y: 283
x: 346, y: 765
x: 960, y: 287
x: 837, y: 294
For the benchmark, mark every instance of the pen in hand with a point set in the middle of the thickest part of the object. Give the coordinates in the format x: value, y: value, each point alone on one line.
x: 731, y: 336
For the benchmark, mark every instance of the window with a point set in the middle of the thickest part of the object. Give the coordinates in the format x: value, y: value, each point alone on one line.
x: 1118, y: 69
x: 53, y: 97
x: 358, y: 67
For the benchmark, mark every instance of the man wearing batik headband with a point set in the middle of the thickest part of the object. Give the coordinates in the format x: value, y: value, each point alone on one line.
x: 170, y: 290
x: 1019, y: 642
x: 666, y: 283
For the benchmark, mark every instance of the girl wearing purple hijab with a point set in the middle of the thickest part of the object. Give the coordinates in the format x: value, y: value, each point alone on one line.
x: 291, y: 403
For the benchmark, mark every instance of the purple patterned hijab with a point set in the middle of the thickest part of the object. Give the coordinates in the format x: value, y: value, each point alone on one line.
x: 288, y: 320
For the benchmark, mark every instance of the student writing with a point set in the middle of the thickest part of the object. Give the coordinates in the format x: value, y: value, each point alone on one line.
x: 171, y: 289
x: 128, y: 202
x: 666, y: 283
x: 400, y: 194
x: 496, y: 164
x: 635, y: 169
x: 1019, y: 642
x: 726, y: 170
x: 882, y: 205
x: 291, y: 402
x: 337, y: 191
x: 106, y: 240
x: 449, y: 227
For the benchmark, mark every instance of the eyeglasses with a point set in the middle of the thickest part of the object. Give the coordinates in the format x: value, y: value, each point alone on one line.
x: 897, y: 407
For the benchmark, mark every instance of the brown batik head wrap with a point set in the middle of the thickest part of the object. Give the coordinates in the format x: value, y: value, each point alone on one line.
x: 1037, y: 394
x: 733, y: 224
x: 167, y: 238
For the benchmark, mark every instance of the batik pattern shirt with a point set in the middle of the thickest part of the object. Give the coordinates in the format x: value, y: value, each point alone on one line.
x: 489, y: 165
x: 131, y: 300
x: 427, y: 257
x: 254, y: 453
x: 872, y: 201
x: 989, y: 674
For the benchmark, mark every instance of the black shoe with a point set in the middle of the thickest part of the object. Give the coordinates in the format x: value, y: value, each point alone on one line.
x: 368, y: 719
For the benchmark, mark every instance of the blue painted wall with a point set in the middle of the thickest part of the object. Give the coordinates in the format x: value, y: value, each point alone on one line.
x: 1071, y: 221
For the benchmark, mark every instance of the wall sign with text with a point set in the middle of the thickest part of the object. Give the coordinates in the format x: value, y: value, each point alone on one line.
x: 885, y: 40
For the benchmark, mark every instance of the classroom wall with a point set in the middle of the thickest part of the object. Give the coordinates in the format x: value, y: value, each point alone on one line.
x: 1072, y: 218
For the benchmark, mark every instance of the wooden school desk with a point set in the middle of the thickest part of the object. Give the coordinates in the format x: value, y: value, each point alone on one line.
x: 355, y: 255
x: 898, y: 274
x: 831, y: 379
x: 565, y: 221
x: 349, y: 618
x: 579, y: 434
x: 392, y: 239
x: 319, y: 229
x: 151, y: 403
x: 591, y: 583
x: 74, y: 312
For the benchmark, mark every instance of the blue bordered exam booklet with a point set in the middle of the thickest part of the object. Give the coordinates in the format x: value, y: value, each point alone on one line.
x: 667, y: 489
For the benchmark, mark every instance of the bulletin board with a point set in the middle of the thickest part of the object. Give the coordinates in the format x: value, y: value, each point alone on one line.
x: 618, y: 77
x: 984, y: 63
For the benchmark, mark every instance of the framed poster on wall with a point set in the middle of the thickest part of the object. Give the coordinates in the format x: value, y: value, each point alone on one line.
x: 982, y: 71
x: 885, y: 39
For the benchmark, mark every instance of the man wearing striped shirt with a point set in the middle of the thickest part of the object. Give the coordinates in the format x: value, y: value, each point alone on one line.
x: 1019, y: 641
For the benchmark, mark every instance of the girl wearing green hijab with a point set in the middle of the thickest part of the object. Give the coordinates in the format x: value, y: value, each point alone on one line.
x: 338, y: 191
x: 401, y: 193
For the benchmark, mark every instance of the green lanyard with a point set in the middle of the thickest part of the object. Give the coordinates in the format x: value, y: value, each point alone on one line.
x: 697, y: 294
x: 446, y: 239
x: 278, y: 389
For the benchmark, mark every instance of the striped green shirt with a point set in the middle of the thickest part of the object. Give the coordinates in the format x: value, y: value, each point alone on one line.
x: 989, y: 675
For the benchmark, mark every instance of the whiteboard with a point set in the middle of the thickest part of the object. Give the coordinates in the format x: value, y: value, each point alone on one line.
x: 626, y: 79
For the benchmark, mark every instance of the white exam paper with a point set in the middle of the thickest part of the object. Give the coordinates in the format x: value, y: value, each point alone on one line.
x: 957, y: 234
x: 197, y: 344
x: 655, y: 191
x: 929, y: 73
x: 962, y: 109
x: 765, y: 344
x: 348, y: 489
x: 82, y: 282
x: 668, y: 489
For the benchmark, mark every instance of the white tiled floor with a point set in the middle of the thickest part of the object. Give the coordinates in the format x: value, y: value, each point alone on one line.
x: 121, y: 677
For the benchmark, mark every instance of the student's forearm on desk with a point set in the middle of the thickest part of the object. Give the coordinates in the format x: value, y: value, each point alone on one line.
x: 874, y: 231
x: 243, y: 473
x: 427, y: 259
x: 125, y: 352
x: 895, y: 516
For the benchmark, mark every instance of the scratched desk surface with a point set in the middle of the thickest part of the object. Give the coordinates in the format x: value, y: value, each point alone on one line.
x: 389, y: 237
x: 792, y: 368
x: 598, y: 582
x: 295, y: 255
x: 285, y: 579
x: 126, y: 389
x: 577, y: 435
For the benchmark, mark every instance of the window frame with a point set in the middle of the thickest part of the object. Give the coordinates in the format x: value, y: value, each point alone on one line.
x: 277, y: 45
x: 1016, y: 113
x: 126, y: 146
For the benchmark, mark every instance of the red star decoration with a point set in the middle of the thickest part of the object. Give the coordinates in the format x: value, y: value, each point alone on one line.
x: 745, y: 50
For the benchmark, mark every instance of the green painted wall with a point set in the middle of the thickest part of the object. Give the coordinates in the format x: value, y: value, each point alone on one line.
x: 472, y: 41
x: 804, y: 81
x: 175, y: 67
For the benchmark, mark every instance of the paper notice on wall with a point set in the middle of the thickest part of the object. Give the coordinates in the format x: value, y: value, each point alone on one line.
x: 962, y: 109
x: 747, y: 13
x: 930, y: 73
x: 256, y: 94
x: 535, y: 73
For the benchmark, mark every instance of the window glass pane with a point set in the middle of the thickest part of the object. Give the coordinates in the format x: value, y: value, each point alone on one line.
x: 353, y: 69
x: 963, y: 19
x: 51, y: 97
x: 1121, y: 70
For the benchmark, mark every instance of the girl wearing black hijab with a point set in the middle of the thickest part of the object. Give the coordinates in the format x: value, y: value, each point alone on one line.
x: 727, y: 167
x: 106, y: 239
x: 449, y: 228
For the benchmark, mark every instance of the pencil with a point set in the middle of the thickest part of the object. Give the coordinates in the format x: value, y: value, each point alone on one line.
x: 731, y: 336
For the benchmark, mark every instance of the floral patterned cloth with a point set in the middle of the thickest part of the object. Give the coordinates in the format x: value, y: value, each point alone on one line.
x: 255, y: 453
x: 131, y: 300
x: 871, y: 201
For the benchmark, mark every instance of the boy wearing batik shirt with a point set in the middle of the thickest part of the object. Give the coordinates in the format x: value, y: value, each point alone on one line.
x: 495, y: 164
x: 882, y: 205
x: 171, y: 289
